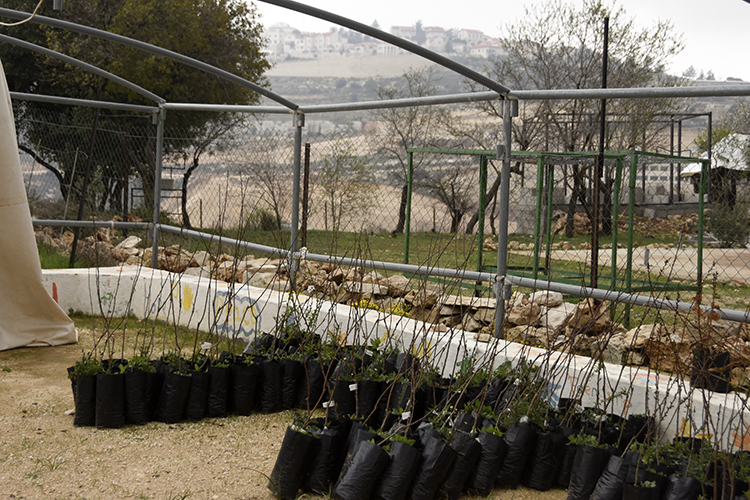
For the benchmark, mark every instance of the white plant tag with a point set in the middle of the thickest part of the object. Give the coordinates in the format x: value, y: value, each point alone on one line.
x: 329, y: 404
x: 352, y: 387
x: 406, y: 415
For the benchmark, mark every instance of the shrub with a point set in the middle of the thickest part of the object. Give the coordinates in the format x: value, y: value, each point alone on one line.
x: 729, y: 225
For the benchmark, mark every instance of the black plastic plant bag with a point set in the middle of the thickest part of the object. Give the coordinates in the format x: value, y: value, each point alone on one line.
x: 313, y: 384
x: 545, y: 461
x: 468, y: 450
x: 195, y: 407
x: 612, y: 480
x: 291, y: 464
x: 683, y: 488
x: 157, y: 382
x: 464, y: 422
x: 638, y: 473
x: 110, y: 400
x: 343, y: 402
x: 566, y: 463
x: 268, y: 386
x: 292, y: 372
x: 520, y: 439
x: 218, y: 391
x: 137, y: 397
x: 641, y: 425
x: 437, y: 459
x: 562, y: 479
x: 367, y: 396
x: 427, y: 431
x: 85, y: 400
x: 588, y: 465
x: 243, y: 384
x: 357, y: 434
x: 326, y: 457
x: 495, y: 389
x: 491, y: 458
x: 361, y: 474
x: 396, y: 395
x: 396, y: 479
x: 174, y: 394
x: 261, y: 344
x: 633, y: 492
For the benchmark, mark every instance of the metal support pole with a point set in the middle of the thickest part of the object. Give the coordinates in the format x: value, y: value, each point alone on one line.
x: 305, y: 195
x: 679, y: 165
x: 160, y: 117
x: 299, y: 122
x: 671, y: 165
x: 709, y: 194
x: 482, y: 208
x: 631, y: 229
x: 407, y: 222
x: 538, y: 218
x: 502, y: 291
x: 599, y: 167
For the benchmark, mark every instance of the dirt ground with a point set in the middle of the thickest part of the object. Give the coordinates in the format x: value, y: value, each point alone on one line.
x: 43, y: 455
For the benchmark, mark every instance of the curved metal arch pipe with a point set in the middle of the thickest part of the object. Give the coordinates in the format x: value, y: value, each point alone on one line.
x: 393, y: 40
x: 153, y: 49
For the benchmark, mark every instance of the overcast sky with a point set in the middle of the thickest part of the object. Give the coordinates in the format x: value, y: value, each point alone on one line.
x: 716, y: 32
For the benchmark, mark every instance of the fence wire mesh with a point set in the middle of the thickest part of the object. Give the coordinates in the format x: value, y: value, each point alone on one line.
x: 238, y: 179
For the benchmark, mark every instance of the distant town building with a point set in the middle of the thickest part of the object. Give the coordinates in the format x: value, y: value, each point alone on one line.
x: 286, y: 41
x: 471, y: 37
x: 490, y: 48
x: 405, y: 32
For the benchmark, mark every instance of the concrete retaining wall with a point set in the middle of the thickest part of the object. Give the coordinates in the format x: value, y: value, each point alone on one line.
x: 228, y: 310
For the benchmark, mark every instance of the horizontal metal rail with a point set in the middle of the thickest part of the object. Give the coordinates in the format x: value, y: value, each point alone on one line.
x: 578, y: 291
x: 575, y: 290
x: 628, y: 93
x: 70, y: 101
x: 91, y: 224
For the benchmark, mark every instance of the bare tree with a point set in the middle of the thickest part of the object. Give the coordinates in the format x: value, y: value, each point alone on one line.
x: 557, y: 46
x: 273, y: 182
x: 403, y: 128
x: 346, y: 182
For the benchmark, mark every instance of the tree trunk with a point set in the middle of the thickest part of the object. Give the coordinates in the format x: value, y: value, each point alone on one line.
x: 402, y: 211
x: 183, y: 202
x: 490, y: 197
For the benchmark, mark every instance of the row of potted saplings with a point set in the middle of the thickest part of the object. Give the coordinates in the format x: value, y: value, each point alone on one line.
x: 267, y: 377
x: 447, y: 454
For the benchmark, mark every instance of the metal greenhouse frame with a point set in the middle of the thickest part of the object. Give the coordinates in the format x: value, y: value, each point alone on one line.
x: 496, y: 92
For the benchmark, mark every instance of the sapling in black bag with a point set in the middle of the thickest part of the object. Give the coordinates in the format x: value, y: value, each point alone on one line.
x: 361, y: 474
x: 291, y: 464
x: 396, y: 479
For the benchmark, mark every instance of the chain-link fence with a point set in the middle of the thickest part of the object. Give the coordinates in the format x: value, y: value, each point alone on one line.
x: 237, y: 176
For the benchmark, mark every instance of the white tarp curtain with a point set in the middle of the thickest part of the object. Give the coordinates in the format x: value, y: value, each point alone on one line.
x: 28, y: 315
x: 730, y: 153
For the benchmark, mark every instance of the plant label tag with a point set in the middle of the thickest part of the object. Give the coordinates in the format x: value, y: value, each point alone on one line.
x: 352, y: 387
x: 329, y: 404
x: 369, y: 352
x: 405, y: 415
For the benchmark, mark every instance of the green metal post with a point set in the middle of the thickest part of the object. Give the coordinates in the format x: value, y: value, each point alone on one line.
x: 631, y: 222
x: 615, y: 228
x: 616, y: 218
x: 538, y: 220
x: 407, y: 225
x: 701, y: 222
x: 482, y: 207
x: 550, y: 188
